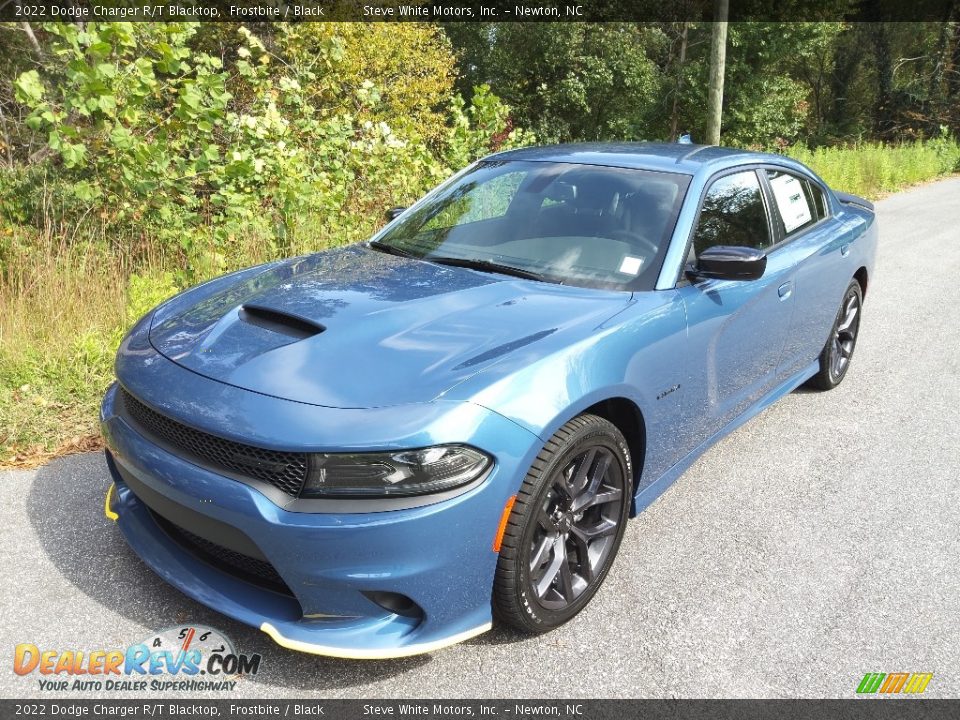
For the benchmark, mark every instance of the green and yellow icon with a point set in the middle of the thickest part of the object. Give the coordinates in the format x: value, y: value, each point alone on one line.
x: 890, y: 683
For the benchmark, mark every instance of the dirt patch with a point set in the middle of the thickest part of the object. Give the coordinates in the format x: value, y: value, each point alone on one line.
x: 37, y: 455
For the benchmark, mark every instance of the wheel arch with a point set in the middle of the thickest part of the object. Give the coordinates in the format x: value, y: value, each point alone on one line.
x: 861, y: 277
x: 616, y: 407
x: 626, y: 415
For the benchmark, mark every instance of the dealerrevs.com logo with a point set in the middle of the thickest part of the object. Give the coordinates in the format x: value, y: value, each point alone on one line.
x: 894, y: 683
x: 192, y: 658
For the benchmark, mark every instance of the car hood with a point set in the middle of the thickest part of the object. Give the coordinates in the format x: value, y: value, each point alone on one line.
x: 355, y: 328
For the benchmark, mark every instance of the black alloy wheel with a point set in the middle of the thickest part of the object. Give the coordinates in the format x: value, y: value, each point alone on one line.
x: 838, y: 352
x: 566, y: 526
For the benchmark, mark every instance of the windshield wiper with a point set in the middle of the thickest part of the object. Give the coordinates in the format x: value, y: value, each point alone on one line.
x: 390, y: 249
x: 486, y: 266
x: 470, y: 263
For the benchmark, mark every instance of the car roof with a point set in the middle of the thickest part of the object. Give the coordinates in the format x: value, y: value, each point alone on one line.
x: 682, y: 158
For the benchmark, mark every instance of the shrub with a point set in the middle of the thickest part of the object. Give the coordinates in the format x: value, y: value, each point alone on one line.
x: 220, y: 161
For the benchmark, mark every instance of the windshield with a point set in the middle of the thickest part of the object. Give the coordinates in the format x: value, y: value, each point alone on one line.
x: 567, y: 223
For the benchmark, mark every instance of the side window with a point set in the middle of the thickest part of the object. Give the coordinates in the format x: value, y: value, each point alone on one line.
x: 799, y: 203
x: 733, y: 214
x: 819, y: 200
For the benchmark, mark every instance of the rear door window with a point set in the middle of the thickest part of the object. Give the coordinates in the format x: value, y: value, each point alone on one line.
x: 798, y: 202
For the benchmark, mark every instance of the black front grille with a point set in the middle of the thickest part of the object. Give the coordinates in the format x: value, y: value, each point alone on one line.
x: 251, y: 569
x: 286, y: 471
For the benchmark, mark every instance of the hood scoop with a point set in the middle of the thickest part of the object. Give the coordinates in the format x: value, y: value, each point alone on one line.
x: 279, y: 321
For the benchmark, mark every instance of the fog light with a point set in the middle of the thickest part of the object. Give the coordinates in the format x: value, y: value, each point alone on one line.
x: 394, y: 602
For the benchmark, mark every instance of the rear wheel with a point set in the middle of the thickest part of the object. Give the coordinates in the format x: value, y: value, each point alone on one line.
x: 838, y: 352
x: 565, y: 527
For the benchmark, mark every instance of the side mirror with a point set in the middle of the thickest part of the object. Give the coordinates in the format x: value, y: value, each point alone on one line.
x: 731, y: 262
x: 394, y: 212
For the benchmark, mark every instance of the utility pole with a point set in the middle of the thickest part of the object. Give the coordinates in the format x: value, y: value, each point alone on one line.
x: 718, y: 60
x: 679, y: 74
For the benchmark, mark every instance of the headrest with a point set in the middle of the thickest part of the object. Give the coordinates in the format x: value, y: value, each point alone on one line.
x: 561, y: 192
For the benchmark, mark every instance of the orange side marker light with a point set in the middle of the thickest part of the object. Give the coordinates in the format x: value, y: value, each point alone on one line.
x: 503, y: 523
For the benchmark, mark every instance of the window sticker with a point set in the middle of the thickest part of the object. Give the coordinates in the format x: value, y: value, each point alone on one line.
x: 791, y: 201
x: 630, y: 265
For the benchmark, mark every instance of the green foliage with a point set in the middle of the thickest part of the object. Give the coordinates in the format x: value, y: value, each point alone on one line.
x: 204, y: 156
x: 872, y: 169
x: 787, y: 82
x: 136, y: 159
x: 145, y: 292
x: 150, y: 156
x: 566, y: 81
x: 132, y: 116
x: 769, y: 80
x: 894, y: 81
x: 411, y: 65
x: 476, y: 128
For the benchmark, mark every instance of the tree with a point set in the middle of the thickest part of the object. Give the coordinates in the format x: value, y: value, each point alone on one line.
x: 139, y: 125
x: 410, y: 65
x: 895, y: 80
x: 567, y: 81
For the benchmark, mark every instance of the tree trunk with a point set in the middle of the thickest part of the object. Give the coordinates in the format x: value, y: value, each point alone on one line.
x: 33, y: 38
x: 718, y: 60
x: 842, y: 114
x: 953, y: 78
x: 884, y: 123
x: 6, y: 138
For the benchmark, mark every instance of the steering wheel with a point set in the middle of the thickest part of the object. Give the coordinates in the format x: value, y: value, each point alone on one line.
x: 637, y: 240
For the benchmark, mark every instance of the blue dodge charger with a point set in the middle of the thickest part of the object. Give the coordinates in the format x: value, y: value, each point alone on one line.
x: 377, y: 450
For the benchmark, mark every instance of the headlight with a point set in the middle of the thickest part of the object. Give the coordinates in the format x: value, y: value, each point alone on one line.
x: 409, y: 472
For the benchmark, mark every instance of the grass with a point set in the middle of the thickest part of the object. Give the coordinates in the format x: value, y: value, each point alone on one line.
x: 67, y: 293
x: 63, y: 310
x: 873, y: 170
x: 66, y: 299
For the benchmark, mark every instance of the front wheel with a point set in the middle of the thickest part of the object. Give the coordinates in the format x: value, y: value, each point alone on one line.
x: 565, y: 527
x: 838, y: 352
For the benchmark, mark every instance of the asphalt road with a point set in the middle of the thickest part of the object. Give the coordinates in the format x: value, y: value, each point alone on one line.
x: 819, y: 542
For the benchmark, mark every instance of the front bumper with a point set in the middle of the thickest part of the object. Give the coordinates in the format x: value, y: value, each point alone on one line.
x: 440, y: 556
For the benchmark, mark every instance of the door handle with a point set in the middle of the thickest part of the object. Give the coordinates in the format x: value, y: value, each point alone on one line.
x: 785, y: 290
x: 845, y: 250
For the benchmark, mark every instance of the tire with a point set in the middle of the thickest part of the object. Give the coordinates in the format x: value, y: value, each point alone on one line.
x: 838, y: 352
x: 559, y: 543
